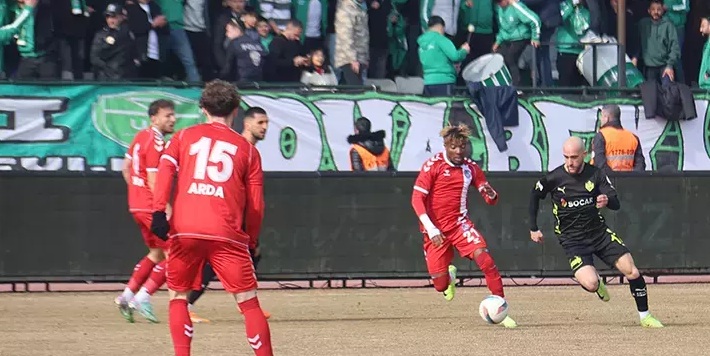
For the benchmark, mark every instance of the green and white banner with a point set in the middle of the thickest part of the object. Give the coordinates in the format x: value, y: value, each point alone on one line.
x: 83, y: 128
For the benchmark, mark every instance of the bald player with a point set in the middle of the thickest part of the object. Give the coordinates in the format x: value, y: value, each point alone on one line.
x: 578, y: 192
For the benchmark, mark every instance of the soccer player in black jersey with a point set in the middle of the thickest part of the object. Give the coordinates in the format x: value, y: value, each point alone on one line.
x: 578, y: 191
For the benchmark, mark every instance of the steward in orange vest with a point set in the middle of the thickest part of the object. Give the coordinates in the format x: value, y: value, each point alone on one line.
x: 368, y: 151
x: 615, y: 149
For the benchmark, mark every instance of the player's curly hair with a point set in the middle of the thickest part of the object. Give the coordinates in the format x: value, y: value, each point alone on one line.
x: 455, y: 133
x: 219, y: 98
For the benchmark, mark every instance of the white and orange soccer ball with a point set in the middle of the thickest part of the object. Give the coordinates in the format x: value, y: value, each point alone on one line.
x: 493, y: 309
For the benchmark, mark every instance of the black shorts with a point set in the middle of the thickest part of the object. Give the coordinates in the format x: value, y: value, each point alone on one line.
x: 605, y: 244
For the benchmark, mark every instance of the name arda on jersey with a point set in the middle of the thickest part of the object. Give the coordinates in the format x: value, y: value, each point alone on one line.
x: 206, y: 189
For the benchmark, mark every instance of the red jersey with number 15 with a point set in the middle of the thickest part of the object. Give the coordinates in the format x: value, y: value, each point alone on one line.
x: 219, y: 184
x: 144, y: 154
x: 441, y: 191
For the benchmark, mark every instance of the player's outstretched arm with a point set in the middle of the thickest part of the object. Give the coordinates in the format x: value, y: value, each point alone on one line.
x: 254, y: 207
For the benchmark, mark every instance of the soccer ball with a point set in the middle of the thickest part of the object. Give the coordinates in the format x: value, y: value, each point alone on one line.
x: 493, y: 309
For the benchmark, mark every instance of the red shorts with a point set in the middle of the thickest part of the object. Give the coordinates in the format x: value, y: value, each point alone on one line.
x: 231, y: 262
x: 143, y: 219
x: 465, y: 238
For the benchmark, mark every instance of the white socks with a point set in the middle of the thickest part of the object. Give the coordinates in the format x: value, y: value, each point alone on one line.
x: 127, y: 295
x: 142, y: 295
x: 643, y: 314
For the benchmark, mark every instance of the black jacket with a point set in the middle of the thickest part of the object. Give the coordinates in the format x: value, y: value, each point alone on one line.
x: 548, y: 11
x: 280, y: 66
x: 139, y: 25
x: 377, y: 23
x: 45, y: 28
x: 671, y: 102
x: 499, y: 105
x: 219, y: 36
x: 245, y: 60
x: 113, y: 53
x: 374, y: 142
x: 599, y: 150
x: 66, y: 23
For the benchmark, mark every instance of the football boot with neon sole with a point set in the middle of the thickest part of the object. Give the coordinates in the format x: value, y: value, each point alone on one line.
x: 198, y: 319
x: 650, y: 322
x: 509, y: 323
x: 450, y: 292
x: 602, y: 292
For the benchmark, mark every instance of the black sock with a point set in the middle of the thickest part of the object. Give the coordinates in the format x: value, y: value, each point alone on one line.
x: 638, y: 291
x: 207, y: 276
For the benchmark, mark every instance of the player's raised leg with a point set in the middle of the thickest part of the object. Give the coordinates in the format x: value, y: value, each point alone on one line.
x: 625, y: 264
x: 232, y: 263
x: 438, y: 262
x: 589, y: 279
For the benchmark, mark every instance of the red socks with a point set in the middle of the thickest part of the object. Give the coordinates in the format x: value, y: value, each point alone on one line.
x: 180, y: 327
x: 488, y: 267
x: 258, y: 334
x: 157, y: 279
x: 441, y: 282
x: 141, y: 272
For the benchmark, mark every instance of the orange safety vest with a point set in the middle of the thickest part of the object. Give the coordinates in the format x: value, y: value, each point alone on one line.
x: 620, y: 148
x: 372, y: 162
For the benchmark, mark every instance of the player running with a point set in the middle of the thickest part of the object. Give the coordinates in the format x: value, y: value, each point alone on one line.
x: 440, y: 200
x: 578, y: 190
x: 219, y: 192
x: 256, y: 122
x: 139, y: 171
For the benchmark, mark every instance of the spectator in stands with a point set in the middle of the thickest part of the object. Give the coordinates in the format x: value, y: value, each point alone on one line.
x: 178, y: 43
x: 278, y: 12
x: 265, y: 34
x: 615, y: 149
x: 249, y: 21
x: 7, y: 32
x: 287, y: 57
x: 72, y: 20
x: 438, y: 56
x: 517, y: 26
x: 659, y: 44
x: 313, y: 14
x: 480, y: 15
x: 549, y: 15
x: 704, y: 76
x: 368, y: 151
x: 150, y: 28
x: 677, y: 13
x: 234, y: 11
x: 37, y: 44
x: 330, y: 30
x: 197, y: 19
x: 245, y: 55
x: 319, y: 72
x: 397, y: 42
x: 378, y: 14
x: 448, y: 10
x: 575, y: 23
x: 113, y: 51
x: 352, y: 44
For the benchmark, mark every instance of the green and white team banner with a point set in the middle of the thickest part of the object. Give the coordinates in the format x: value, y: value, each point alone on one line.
x: 82, y: 128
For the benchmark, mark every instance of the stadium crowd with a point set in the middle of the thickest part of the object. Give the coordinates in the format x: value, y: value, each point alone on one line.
x: 326, y: 41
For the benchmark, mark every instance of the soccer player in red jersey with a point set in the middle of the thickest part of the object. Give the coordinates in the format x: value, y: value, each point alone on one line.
x: 139, y: 171
x: 256, y: 122
x: 217, y: 215
x: 440, y: 200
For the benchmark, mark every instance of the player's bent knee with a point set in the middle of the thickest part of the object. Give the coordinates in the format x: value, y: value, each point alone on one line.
x: 588, y: 278
x: 244, y: 296
x: 177, y: 295
x: 156, y: 255
x: 478, y: 252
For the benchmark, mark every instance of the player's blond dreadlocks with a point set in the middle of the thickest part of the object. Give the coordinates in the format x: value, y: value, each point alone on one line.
x: 455, y: 134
